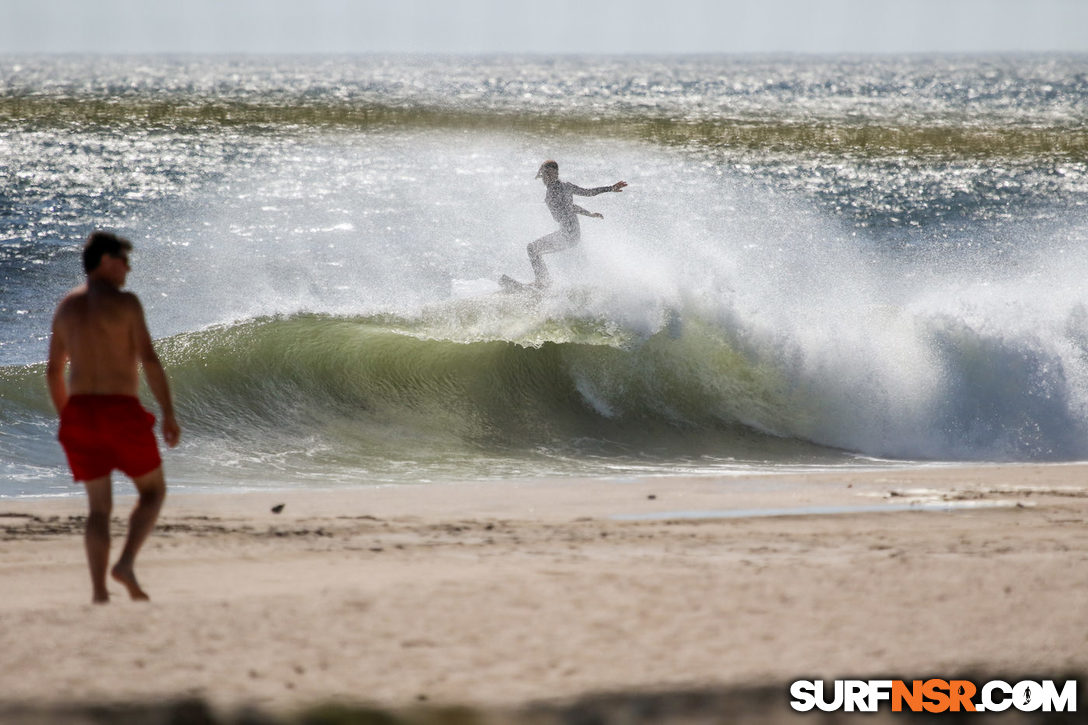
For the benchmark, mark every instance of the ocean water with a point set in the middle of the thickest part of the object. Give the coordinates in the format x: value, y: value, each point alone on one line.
x: 818, y: 262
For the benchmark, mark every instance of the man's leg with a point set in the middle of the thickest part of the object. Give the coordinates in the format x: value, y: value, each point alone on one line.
x: 152, y: 490
x: 541, y: 278
x: 96, y: 538
x: 554, y: 242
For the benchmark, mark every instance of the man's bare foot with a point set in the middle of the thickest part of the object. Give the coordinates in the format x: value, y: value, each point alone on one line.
x: 102, y: 597
x: 125, y: 576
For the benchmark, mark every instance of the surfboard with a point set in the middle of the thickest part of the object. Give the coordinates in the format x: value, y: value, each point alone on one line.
x: 512, y: 286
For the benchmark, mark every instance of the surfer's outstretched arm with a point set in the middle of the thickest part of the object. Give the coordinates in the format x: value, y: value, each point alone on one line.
x: 618, y: 186
x: 590, y: 214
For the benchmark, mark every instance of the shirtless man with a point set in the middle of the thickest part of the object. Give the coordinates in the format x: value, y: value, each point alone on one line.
x: 560, y: 201
x: 101, y: 331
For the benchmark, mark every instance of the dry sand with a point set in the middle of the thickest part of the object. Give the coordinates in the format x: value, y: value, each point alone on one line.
x: 499, y: 594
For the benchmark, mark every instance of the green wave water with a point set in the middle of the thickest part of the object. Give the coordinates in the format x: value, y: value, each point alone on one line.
x: 368, y: 399
x: 382, y: 380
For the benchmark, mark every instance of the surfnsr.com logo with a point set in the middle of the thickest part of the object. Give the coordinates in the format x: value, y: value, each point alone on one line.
x: 934, y: 696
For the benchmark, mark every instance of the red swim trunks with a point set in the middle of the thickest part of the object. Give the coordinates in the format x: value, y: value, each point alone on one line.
x: 102, y: 432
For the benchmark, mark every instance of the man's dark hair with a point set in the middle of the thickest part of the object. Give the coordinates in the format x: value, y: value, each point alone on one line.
x: 100, y: 243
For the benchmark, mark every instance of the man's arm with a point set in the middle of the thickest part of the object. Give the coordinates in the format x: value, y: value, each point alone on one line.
x: 618, y: 186
x: 54, y: 369
x: 591, y: 214
x: 156, y: 377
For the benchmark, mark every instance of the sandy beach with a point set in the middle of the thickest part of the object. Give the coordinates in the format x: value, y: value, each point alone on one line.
x: 500, y: 595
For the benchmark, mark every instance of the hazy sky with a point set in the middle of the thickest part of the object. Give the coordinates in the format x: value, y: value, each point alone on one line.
x: 542, y: 26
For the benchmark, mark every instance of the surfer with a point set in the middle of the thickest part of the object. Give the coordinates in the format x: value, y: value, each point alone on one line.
x: 560, y: 201
x: 102, y: 333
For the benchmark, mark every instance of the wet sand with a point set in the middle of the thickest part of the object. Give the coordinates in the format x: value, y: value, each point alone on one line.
x: 501, y: 595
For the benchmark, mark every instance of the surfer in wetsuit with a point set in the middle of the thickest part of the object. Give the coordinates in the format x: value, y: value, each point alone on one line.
x: 560, y: 201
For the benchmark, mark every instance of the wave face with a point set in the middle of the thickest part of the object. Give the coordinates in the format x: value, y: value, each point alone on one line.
x: 485, y: 377
x: 480, y: 387
x: 689, y: 385
x: 499, y: 385
x: 817, y: 261
x: 333, y: 398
